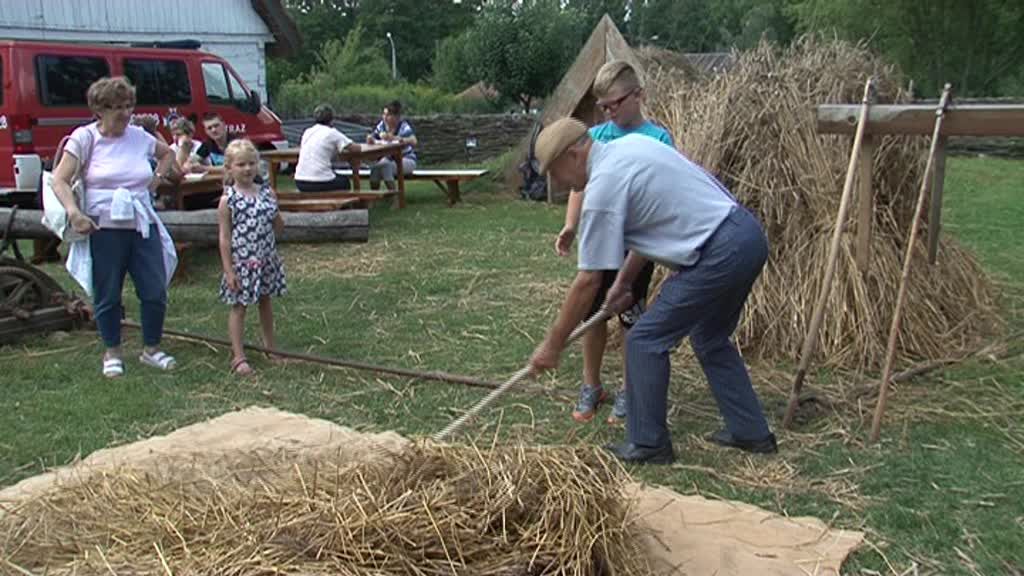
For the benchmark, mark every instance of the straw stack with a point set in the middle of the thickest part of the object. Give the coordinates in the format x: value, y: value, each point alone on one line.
x: 430, y: 509
x: 754, y: 128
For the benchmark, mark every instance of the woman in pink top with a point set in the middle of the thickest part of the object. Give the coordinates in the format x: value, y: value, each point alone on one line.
x: 124, y: 233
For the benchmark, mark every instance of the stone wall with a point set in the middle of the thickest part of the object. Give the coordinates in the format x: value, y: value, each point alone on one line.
x: 442, y: 137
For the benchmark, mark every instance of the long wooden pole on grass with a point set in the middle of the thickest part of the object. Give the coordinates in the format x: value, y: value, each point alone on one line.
x: 601, y: 316
x: 894, y: 329
x: 830, y: 264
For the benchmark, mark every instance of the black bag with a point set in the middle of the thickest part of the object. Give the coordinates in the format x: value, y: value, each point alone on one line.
x: 535, y: 186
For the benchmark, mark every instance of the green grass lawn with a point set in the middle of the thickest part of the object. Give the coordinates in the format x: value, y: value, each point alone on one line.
x: 471, y: 290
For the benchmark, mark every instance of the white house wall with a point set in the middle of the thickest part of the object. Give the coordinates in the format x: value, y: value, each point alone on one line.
x: 229, y: 28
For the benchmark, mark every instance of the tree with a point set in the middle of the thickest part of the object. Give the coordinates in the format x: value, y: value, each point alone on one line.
x: 453, y: 64
x: 416, y: 27
x: 318, y: 21
x: 975, y: 45
x: 522, y: 48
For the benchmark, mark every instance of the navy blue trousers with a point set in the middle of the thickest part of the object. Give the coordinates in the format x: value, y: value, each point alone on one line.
x: 703, y: 302
x: 115, y: 253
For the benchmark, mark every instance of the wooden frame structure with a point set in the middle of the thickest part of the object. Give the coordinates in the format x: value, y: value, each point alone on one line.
x: 915, y: 119
x: 1001, y: 120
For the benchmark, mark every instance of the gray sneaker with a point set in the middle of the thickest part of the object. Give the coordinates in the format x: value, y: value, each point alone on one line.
x: 588, y: 403
x: 619, y: 408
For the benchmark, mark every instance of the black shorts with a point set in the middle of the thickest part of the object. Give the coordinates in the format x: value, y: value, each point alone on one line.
x: 640, y: 287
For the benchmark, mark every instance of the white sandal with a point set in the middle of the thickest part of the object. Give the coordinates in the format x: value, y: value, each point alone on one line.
x: 113, y: 367
x: 160, y: 360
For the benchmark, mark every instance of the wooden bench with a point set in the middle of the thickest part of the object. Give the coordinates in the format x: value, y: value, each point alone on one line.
x: 447, y: 180
x: 315, y: 201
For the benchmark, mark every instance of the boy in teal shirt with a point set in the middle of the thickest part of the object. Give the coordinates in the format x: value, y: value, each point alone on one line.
x: 619, y: 94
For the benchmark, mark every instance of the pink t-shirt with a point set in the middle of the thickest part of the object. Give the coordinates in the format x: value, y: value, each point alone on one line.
x: 121, y: 162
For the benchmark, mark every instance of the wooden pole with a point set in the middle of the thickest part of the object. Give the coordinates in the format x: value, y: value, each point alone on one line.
x: 600, y: 316
x: 407, y: 372
x: 894, y: 329
x: 935, y: 212
x: 866, y: 208
x: 833, y: 253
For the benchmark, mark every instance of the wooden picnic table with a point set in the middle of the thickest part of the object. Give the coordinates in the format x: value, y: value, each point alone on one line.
x: 208, y: 184
x: 367, y: 152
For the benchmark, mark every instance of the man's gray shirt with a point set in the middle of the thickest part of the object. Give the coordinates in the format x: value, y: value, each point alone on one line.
x: 646, y: 197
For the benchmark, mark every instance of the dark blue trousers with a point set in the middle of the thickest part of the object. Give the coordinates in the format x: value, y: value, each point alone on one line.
x: 703, y: 302
x: 114, y: 253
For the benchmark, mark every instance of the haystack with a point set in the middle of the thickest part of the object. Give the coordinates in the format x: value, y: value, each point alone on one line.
x: 261, y: 491
x: 754, y: 128
x: 428, y: 509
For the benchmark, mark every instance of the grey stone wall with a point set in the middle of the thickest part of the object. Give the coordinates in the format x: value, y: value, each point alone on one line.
x: 442, y: 137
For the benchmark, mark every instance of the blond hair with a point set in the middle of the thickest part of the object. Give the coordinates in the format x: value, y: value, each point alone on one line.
x: 235, y: 150
x: 108, y: 93
x: 616, y: 73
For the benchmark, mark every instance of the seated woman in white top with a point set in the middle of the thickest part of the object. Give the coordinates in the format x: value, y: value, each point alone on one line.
x: 320, y: 144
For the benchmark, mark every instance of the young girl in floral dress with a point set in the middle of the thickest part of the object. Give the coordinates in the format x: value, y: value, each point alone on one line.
x: 253, y: 272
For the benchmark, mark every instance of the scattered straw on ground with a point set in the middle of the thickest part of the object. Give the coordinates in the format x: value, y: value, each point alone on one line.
x: 425, y: 510
x: 754, y: 128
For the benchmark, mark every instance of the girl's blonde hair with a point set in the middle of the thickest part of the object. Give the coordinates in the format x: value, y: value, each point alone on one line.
x: 237, y: 149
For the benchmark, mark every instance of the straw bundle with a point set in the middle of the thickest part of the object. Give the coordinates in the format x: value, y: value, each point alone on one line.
x: 754, y: 128
x: 427, y: 510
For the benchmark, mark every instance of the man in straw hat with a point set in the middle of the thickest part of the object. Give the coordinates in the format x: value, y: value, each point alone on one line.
x: 647, y: 198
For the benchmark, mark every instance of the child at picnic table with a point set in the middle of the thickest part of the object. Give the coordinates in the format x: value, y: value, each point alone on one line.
x: 253, y: 272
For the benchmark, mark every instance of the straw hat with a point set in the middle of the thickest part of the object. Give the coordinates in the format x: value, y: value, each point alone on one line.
x: 555, y: 139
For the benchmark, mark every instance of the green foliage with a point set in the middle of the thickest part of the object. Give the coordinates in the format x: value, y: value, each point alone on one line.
x: 974, y: 45
x: 297, y: 99
x: 416, y: 27
x: 318, y: 21
x: 709, y: 25
x: 522, y: 49
x: 453, y: 64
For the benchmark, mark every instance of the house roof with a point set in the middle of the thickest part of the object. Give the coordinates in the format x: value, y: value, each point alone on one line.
x: 287, y: 40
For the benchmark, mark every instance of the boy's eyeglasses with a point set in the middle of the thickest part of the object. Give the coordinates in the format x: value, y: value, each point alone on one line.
x: 614, y: 104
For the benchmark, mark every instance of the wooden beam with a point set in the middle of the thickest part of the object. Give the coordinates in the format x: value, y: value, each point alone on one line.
x: 866, y: 206
x: 962, y: 120
x: 935, y: 209
x: 199, y: 227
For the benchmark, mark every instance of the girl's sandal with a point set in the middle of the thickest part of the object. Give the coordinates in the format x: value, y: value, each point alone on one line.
x: 240, y: 367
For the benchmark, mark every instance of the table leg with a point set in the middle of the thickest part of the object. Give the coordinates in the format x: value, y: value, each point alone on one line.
x: 401, y: 178
x: 453, y: 192
x: 272, y: 169
x: 355, y: 174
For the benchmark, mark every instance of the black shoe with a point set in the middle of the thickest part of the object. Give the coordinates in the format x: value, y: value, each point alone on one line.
x: 632, y: 454
x: 763, y: 446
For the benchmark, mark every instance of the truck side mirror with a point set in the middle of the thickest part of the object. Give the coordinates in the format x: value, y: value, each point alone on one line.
x: 255, y: 105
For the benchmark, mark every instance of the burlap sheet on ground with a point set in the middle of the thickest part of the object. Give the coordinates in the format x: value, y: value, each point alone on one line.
x: 684, y: 534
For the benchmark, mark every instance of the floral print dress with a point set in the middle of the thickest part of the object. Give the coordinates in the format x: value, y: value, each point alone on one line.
x: 254, y: 256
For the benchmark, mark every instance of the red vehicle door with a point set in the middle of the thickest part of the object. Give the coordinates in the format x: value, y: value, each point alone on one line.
x: 240, y: 107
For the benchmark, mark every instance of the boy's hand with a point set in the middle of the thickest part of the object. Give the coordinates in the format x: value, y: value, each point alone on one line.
x: 232, y: 281
x: 564, y: 241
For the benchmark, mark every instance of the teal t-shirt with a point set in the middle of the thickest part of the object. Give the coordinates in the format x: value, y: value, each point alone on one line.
x: 609, y: 131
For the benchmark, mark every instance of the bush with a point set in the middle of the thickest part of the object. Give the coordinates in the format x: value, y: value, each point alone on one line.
x: 297, y: 99
x: 352, y: 77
